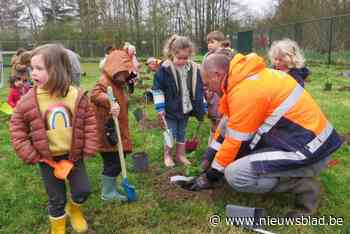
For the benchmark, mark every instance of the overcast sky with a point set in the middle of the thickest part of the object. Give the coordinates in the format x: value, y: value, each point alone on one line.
x: 259, y: 6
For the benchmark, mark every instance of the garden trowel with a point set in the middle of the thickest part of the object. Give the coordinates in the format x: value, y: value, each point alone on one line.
x: 168, y: 136
x: 61, y: 168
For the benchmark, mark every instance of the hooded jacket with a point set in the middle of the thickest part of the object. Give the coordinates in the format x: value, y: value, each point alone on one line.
x: 116, y: 62
x: 28, y: 132
x: 167, y: 93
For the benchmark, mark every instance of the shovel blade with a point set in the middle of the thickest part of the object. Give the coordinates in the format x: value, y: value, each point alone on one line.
x: 63, y: 169
x: 168, y: 138
x: 129, y: 190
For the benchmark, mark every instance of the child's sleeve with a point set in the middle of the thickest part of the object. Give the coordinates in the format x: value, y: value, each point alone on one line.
x: 99, y: 96
x: 20, y: 138
x: 158, y: 93
x: 90, y: 131
x: 11, y: 99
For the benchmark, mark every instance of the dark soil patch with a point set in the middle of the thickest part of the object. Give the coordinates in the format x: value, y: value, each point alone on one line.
x: 345, y: 138
x: 344, y: 88
x: 145, y: 78
x: 136, y: 99
x: 143, y: 86
x: 172, y: 192
x: 149, y: 124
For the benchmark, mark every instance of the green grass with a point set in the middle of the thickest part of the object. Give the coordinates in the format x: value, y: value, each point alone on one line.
x: 23, y: 198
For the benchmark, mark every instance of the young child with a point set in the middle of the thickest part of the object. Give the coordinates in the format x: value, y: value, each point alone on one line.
x: 15, y: 59
x: 217, y: 40
x: 178, y: 93
x: 55, y: 121
x: 285, y: 55
x: 153, y: 64
x: 22, y: 68
x: 16, y: 91
x: 116, y: 73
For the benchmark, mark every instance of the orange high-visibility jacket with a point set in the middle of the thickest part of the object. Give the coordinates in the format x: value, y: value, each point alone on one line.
x: 267, y: 110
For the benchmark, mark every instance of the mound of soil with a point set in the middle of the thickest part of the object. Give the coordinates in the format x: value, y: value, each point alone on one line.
x: 149, y: 124
x: 143, y: 86
x: 172, y: 192
x: 344, y: 88
x: 345, y: 138
x: 145, y: 78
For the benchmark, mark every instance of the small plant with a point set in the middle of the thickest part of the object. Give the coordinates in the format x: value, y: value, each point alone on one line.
x: 192, y: 170
x: 328, y: 85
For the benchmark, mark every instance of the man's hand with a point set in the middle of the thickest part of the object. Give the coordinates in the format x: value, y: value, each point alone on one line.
x: 115, y: 109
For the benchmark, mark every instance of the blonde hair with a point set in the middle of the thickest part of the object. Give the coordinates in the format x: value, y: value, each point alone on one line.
x: 25, y: 57
x: 176, y: 43
x: 288, y: 47
x: 58, y: 67
x: 130, y: 48
x: 220, y: 37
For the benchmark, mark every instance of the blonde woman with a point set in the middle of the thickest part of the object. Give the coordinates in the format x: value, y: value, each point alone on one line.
x: 285, y: 55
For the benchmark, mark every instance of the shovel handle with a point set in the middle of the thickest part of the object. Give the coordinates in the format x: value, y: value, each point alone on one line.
x: 120, y: 146
x: 49, y: 162
x: 165, y: 124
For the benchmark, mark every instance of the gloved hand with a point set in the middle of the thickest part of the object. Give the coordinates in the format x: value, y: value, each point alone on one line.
x: 200, y: 183
x: 206, y: 180
x: 214, y: 175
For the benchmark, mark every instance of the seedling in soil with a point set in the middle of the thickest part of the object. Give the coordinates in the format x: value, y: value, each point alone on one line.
x: 192, y: 170
x: 328, y: 85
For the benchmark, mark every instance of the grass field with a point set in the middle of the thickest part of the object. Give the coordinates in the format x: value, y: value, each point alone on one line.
x: 162, y: 208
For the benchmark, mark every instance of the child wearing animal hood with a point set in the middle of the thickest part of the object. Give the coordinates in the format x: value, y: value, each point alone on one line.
x: 117, y: 71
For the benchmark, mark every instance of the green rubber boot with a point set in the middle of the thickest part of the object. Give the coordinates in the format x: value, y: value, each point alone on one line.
x: 109, y: 190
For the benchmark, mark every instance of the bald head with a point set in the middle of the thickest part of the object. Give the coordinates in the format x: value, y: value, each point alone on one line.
x: 216, y: 63
x: 214, y: 70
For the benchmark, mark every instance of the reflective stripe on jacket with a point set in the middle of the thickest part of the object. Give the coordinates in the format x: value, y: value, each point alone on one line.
x: 266, y: 109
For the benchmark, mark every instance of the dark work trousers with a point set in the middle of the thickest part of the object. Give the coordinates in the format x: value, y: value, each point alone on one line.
x: 111, y: 164
x: 56, y: 188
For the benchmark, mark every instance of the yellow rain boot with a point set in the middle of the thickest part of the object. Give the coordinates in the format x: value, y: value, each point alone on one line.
x: 76, y: 217
x: 58, y: 225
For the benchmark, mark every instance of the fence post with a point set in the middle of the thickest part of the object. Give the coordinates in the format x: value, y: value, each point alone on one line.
x: 330, y: 41
x: 270, y: 37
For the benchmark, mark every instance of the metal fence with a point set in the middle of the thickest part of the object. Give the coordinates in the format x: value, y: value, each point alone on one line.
x: 324, y: 40
x: 85, y: 48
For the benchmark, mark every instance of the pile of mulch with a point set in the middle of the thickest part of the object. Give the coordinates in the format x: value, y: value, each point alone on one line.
x: 171, y: 192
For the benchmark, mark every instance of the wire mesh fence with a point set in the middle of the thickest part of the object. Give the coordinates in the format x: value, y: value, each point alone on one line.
x: 92, y: 49
x: 324, y: 40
